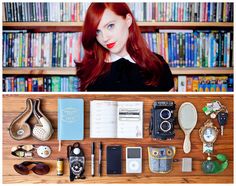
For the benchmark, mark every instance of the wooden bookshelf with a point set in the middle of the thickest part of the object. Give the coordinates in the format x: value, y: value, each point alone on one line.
x: 149, y: 26
x: 185, y: 24
x: 39, y: 24
x: 72, y: 71
x: 39, y: 71
x: 142, y: 24
x: 202, y: 71
x: 77, y: 26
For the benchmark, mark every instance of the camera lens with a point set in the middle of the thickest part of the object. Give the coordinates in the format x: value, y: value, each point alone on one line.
x: 76, y: 166
x: 165, y: 126
x: 165, y: 114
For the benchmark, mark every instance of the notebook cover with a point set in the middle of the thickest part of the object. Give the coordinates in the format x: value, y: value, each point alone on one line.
x: 70, y: 119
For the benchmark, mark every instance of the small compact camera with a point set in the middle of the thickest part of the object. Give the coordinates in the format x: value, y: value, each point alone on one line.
x: 77, y: 161
x: 162, y: 120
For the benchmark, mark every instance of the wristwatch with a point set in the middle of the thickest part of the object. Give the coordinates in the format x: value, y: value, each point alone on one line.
x: 208, y: 134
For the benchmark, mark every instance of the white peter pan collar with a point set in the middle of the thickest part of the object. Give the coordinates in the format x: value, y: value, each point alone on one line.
x: 114, y: 57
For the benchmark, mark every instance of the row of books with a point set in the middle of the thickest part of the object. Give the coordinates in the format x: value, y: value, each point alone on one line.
x: 161, y: 12
x: 204, y: 83
x: 188, y: 48
x: 41, y: 84
x: 180, y: 48
x: 40, y: 12
x: 71, y: 84
x: 21, y: 49
x: 177, y: 11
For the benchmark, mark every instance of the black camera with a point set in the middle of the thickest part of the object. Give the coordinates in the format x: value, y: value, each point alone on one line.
x: 76, y: 160
x: 162, y: 120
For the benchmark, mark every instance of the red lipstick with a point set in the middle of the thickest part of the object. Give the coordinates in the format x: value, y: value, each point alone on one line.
x: 110, y: 45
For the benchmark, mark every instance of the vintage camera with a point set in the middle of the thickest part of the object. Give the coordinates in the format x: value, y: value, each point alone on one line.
x: 76, y: 160
x: 162, y: 120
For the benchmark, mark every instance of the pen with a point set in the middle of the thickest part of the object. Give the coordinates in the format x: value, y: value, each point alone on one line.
x: 92, y: 159
x: 100, y: 160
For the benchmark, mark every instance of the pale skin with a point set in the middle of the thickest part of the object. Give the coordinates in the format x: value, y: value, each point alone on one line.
x: 113, y: 32
x: 109, y: 31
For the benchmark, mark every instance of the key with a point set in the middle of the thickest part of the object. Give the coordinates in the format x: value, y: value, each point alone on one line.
x: 222, y: 120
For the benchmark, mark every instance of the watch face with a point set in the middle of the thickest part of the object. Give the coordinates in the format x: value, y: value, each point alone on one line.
x: 209, y: 134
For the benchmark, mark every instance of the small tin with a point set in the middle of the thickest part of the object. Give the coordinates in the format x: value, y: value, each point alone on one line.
x: 60, y: 166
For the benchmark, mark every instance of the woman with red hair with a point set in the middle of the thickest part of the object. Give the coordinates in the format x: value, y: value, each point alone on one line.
x: 117, y: 57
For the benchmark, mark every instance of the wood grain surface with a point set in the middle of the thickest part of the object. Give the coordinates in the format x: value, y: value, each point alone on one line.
x: 13, y: 104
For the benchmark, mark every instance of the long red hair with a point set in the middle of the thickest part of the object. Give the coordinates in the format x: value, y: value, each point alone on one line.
x: 93, y: 65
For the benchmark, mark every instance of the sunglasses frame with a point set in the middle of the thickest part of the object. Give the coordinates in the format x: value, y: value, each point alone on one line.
x: 25, y: 165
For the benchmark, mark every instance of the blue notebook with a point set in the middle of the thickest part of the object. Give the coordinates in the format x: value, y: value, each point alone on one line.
x: 70, y: 119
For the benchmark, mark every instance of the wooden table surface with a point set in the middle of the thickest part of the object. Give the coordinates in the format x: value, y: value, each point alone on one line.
x: 15, y: 104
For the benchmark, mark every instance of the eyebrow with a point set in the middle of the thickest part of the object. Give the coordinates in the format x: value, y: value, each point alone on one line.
x: 109, y: 22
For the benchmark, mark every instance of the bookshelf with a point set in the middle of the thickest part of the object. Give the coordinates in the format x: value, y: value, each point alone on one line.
x: 149, y: 26
x: 72, y: 71
x: 141, y: 24
x: 145, y: 26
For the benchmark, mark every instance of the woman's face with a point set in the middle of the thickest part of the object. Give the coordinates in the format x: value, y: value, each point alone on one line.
x: 113, y: 32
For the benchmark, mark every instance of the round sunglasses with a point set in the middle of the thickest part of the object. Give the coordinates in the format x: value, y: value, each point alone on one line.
x: 40, y: 168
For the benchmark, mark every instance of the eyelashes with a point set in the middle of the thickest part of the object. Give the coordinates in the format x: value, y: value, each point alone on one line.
x: 98, y: 32
x: 108, y: 27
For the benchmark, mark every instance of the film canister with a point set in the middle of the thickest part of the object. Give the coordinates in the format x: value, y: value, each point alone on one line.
x: 60, y: 166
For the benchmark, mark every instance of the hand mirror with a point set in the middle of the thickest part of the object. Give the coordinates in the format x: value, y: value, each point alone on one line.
x: 187, y: 117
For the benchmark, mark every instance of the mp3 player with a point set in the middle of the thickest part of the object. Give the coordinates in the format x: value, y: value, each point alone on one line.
x: 133, y: 159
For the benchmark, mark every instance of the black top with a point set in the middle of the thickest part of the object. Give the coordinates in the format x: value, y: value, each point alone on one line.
x: 127, y: 76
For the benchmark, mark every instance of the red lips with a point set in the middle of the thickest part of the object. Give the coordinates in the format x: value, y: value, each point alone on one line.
x: 110, y: 45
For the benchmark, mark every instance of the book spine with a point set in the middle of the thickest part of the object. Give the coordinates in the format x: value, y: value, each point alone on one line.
x: 181, y: 48
x: 165, y: 47
x: 177, y: 51
x: 225, y: 54
x: 170, y: 54
x: 219, y: 49
x: 222, y: 49
x: 4, y: 57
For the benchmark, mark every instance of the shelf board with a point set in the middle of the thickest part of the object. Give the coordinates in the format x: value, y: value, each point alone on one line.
x: 72, y: 71
x: 141, y: 24
x: 39, y: 71
x: 185, y: 24
x: 39, y: 24
x: 202, y: 71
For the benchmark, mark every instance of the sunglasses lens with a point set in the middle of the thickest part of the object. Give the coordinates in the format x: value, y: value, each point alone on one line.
x: 41, y: 169
x: 21, y: 169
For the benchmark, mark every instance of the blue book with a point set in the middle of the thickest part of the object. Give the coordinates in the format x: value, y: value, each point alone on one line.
x: 192, y: 50
x: 70, y: 119
x: 54, y: 49
x: 169, y: 50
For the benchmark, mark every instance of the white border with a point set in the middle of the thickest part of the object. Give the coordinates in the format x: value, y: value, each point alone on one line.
x: 117, y: 93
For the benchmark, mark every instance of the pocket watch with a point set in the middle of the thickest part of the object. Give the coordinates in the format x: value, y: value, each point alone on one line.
x: 208, y: 134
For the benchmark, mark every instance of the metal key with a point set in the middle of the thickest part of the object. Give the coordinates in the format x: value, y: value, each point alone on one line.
x: 222, y: 120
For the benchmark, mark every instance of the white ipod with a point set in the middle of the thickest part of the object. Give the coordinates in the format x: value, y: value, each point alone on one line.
x: 133, y: 159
